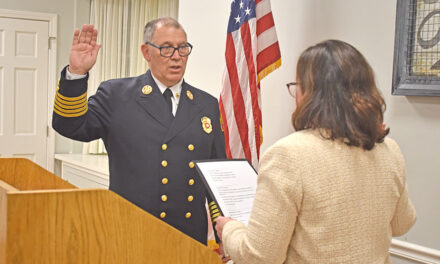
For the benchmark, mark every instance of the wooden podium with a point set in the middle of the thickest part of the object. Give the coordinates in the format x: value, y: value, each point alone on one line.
x: 44, y: 219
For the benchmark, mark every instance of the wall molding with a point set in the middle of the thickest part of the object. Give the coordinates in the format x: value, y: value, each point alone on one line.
x: 414, y: 252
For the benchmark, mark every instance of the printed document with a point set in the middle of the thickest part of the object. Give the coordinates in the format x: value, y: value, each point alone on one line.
x: 232, y: 184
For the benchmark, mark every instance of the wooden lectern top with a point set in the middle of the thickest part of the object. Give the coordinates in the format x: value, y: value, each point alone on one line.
x: 24, y: 175
x: 44, y: 219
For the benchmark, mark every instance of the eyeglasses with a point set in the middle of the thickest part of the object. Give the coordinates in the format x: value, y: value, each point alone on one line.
x: 168, y: 51
x: 291, y: 88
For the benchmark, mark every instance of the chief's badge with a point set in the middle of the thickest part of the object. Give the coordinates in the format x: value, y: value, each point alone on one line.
x: 206, y: 124
x: 190, y: 95
x: 147, y: 89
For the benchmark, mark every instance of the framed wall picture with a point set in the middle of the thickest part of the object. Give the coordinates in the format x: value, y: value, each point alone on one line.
x: 417, y: 48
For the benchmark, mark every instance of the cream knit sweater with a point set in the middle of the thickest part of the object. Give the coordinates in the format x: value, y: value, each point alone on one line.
x: 321, y: 201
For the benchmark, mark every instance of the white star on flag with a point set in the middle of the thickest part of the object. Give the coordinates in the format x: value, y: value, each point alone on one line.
x: 237, y: 19
x: 248, y: 11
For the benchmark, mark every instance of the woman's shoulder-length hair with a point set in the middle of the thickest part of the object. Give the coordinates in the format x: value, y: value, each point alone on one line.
x: 339, y: 95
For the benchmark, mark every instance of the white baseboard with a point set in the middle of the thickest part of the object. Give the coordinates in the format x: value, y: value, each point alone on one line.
x: 414, y: 252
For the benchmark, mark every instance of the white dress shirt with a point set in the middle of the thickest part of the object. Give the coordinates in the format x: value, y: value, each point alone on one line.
x: 175, y: 89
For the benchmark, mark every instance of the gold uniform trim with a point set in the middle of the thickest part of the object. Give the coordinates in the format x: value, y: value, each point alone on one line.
x: 70, y: 115
x: 213, y: 207
x: 214, y: 211
x: 70, y: 102
x: 72, y: 111
x: 70, y: 105
x: 214, y: 217
x: 71, y: 99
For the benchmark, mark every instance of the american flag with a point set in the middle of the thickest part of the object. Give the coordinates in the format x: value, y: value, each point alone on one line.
x: 252, y: 52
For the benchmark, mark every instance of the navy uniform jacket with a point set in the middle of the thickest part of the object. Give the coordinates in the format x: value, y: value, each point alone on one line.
x: 149, y: 150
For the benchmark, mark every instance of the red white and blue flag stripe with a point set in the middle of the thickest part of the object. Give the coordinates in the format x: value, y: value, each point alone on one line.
x: 252, y: 52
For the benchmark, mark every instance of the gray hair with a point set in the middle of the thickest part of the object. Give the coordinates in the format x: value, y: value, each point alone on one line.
x: 151, y: 26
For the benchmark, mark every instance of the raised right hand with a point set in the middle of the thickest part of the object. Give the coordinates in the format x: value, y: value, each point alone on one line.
x: 84, y: 50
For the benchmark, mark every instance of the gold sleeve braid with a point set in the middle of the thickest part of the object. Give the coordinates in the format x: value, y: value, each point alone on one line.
x: 213, y: 210
x: 70, y: 106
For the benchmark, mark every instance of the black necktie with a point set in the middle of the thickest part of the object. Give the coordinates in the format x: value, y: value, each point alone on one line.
x: 167, y: 95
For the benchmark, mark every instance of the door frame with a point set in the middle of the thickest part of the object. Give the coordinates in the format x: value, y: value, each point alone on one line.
x: 51, y: 78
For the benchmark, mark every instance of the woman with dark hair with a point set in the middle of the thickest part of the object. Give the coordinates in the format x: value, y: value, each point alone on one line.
x: 335, y: 190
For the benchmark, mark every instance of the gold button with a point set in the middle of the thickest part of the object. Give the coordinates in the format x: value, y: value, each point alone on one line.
x: 164, y: 163
x: 190, y: 147
x: 164, y: 198
x: 164, y: 181
x: 191, y: 182
x: 188, y: 215
x: 191, y: 164
x: 164, y: 146
x: 163, y: 214
x: 190, y: 198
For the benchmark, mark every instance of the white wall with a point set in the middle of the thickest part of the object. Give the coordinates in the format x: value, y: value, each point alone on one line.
x: 71, y: 14
x: 369, y: 26
x: 414, y: 121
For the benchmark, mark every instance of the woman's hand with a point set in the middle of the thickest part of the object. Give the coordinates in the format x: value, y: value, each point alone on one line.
x: 221, y: 252
x: 220, y: 222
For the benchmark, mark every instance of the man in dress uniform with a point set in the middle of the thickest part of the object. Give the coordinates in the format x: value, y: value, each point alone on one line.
x: 153, y: 125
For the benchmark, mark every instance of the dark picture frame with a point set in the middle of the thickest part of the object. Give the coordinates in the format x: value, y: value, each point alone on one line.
x: 416, y: 70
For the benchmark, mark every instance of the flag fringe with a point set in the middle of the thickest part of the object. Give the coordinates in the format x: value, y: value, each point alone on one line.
x: 263, y: 73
